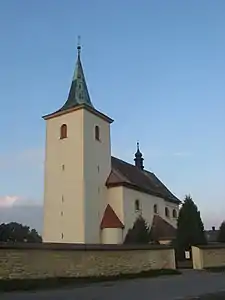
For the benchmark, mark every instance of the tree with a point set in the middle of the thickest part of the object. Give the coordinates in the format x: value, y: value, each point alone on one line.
x: 190, y: 228
x: 15, y: 232
x: 221, y: 235
x: 139, y: 233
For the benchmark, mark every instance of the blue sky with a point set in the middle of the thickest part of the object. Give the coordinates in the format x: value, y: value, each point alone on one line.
x: 156, y: 67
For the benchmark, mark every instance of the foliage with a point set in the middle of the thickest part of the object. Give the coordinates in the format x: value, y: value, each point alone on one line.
x: 190, y: 228
x: 15, y: 232
x: 221, y: 235
x: 139, y: 233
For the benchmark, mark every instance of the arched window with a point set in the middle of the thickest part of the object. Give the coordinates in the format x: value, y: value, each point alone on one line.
x: 97, y: 133
x: 167, y: 212
x: 174, y: 213
x: 137, y: 205
x: 63, y: 131
x: 155, y: 209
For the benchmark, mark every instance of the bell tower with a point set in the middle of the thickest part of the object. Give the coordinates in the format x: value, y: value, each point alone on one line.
x: 77, y: 164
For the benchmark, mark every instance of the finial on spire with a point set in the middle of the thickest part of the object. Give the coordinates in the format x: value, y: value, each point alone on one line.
x: 138, y: 146
x: 78, y: 45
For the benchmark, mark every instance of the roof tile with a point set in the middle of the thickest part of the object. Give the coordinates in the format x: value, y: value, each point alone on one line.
x: 110, y: 219
x: 129, y: 175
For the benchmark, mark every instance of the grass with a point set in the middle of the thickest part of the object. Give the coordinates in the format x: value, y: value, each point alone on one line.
x: 7, y: 285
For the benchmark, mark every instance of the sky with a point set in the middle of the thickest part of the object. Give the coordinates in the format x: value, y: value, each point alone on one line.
x: 156, y: 67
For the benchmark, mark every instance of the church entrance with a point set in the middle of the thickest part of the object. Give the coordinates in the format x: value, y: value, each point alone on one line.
x: 184, y: 259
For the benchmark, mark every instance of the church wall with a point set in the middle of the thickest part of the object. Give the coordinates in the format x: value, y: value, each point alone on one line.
x: 112, y: 236
x: 115, y: 200
x: 147, y: 203
x: 64, y: 186
x: 171, y: 207
x: 97, y: 167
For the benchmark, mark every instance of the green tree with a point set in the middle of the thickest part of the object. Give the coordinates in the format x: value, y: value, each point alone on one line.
x: 139, y: 233
x: 221, y: 235
x: 190, y: 228
x: 15, y: 232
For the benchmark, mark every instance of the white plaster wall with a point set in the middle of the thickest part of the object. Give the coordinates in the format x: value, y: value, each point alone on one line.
x: 172, y: 206
x: 87, y: 164
x: 112, y: 236
x: 197, y: 258
x: 147, y: 207
x: 115, y: 200
x: 67, y: 183
x: 97, y: 167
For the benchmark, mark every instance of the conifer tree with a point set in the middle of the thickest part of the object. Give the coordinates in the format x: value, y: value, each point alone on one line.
x: 190, y: 228
x: 221, y: 235
x: 139, y: 233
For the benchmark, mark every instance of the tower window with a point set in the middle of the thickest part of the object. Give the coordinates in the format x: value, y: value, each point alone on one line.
x: 174, y: 213
x: 167, y: 212
x: 63, y: 131
x: 137, y: 205
x: 62, y: 236
x: 155, y: 209
x: 97, y: 133
x: 63, y: 167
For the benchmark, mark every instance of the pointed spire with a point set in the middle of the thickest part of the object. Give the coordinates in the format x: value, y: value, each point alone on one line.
x: 138, y: 158
x: 78, y: 93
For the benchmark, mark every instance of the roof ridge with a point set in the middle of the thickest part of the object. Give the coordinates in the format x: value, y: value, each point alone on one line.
x: 127, y: 163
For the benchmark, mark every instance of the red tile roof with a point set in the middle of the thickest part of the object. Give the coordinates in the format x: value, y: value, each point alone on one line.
x: 125, y: 174
x: 110, y: 219
x: 161, y: 229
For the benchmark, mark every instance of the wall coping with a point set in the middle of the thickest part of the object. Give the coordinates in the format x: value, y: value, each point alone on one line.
x: 212, y: 246
x: 80, y: 247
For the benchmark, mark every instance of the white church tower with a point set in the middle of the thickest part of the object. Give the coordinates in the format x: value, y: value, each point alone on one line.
x: 77, y: 164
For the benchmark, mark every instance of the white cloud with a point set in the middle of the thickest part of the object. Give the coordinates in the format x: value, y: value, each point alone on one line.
x: 13, y: 201
x: 8, y: 201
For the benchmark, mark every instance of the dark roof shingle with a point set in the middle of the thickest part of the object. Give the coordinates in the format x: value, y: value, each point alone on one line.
x: 129, y: 175
x: 161, y: 229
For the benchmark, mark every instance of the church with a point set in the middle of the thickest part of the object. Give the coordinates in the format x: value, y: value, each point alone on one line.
x: 91, y: 197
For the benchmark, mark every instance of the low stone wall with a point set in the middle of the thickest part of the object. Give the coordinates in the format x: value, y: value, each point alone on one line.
x: 208, y: 256
x: 67, y: 260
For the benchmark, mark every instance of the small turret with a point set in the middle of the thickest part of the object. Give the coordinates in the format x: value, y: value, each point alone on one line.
x: 139, y: 159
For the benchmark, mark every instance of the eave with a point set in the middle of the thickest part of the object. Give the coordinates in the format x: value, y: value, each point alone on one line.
x: 81, y: 106
x: 143, y: 190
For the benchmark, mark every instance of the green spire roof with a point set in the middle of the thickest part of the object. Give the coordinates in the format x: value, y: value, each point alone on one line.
x: 78, y: 93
